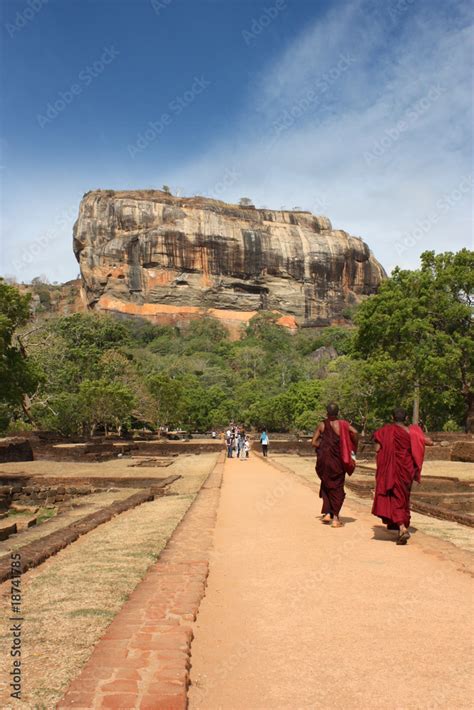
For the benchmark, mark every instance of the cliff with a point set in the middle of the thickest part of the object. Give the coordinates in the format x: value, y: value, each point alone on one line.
x: 171, y: 258
x: 54, y: 299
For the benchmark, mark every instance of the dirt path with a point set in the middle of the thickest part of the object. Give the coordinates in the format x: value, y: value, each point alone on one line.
x: 299, y: 615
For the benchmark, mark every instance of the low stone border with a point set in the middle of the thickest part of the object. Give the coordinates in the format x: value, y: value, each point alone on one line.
x: 419, y: 506
x: 15, y: 449
x: 16, y: 481
x: 143, y: 659
x: 6, y: 529
x: 437, y: 511
x: 34, y: 553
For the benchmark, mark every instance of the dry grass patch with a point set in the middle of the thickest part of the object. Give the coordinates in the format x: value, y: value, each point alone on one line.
x: 48, y: 520
x: 70, y: 600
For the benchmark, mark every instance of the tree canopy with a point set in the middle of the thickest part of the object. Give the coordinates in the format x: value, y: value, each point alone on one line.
x: 91, y: 372
x: 18, y: 377
x: 422, y: 320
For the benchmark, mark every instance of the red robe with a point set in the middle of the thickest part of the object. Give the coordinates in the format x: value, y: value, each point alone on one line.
x: 333, y: 462
x: 399, y: 463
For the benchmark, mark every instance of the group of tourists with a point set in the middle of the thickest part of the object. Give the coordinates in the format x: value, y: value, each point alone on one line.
x: 400, y: 452
x: 237, y: 441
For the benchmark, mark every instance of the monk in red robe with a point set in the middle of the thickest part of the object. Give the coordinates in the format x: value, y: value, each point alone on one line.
x: 400, y: 453
x: 335, y: 441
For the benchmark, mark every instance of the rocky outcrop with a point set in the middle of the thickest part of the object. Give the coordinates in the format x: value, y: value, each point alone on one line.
x: 53, y: 299
x: 324, y: 354
x: 170, y: 259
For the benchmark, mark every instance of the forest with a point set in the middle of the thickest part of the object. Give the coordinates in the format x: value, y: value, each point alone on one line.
x: 409, y: 345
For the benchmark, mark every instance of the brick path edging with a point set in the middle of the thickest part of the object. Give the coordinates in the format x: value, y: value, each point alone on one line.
x: 143, y: 660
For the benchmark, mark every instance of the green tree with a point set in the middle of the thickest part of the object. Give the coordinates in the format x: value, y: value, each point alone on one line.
x: 93, y: 332
x: 249, y: 361
x: 115, y: 366
x: 422, y: 320
x: 366, y: 390
x: 203, y: 335
x: 18, y: 377
x: 340, y: 338
x: 168, y: 396
x: 105, y: 404
x: 61, y: 412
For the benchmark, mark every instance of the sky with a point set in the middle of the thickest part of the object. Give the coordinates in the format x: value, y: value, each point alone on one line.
x: 360, y: 110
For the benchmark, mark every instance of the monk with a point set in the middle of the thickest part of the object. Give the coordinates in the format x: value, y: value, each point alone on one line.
x: 400, y: 454
x: 335, y: 441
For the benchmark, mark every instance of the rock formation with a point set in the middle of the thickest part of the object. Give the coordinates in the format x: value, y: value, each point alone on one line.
x: 170, y: 259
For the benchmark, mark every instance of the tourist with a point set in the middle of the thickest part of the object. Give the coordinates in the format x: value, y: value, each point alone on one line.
x: 335, y: 441
x: 247, y: 447
x: 238, y: 442
x: 264, y: 442
x: 229, y: 440
x: 400, y: 453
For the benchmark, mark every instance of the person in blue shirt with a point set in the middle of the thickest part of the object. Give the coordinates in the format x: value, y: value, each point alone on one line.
x: 264, y: 442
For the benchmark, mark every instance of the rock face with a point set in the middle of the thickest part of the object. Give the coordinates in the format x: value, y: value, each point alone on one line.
x: 170, y: 259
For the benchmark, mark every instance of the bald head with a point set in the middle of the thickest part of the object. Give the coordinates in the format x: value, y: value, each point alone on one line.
x: 332, y: 409
x: 399, y: 415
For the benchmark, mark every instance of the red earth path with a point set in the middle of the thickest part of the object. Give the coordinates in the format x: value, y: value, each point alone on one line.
x: 299, y: 615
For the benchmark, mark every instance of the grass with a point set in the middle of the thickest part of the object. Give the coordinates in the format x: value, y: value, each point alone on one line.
x: 90, y: 612
x: 14, y: 513
x: 42, y: 514
x: 70, y: 600
x: 45, y: 514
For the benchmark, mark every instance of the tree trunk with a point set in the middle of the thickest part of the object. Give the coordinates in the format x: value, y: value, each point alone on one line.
x: 470, y: 412
x: 26, y: 407
x: 416, y: 403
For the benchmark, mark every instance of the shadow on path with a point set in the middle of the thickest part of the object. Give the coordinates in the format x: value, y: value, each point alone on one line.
x: 383, y: 535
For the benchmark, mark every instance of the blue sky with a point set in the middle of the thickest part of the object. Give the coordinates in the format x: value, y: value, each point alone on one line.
x: 359, y: 110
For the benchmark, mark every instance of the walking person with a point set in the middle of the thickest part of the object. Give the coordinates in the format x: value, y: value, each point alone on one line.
x: 229, y: 440
x: 264, y: 442
x: 247, y: 447
x: 335, y: 441
x: 400, y: 454
x: 238, y: 442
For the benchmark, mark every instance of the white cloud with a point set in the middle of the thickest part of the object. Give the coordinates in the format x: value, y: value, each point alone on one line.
x: 379, y: 144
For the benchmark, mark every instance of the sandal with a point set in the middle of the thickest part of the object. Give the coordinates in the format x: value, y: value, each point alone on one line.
x: 403, y: 538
